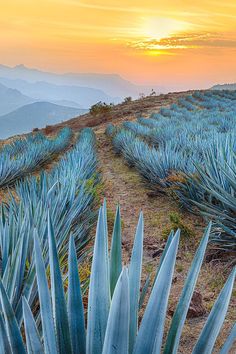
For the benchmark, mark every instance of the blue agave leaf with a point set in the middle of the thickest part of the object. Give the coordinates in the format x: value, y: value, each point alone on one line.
x: 230, y: 340
x: 149, y: 338
x: 179, y: 317
x: 116, y: 252
x: 99, y: 291
x: 135, y: 269
x: 13, y: 330
x: 216, y: 318
x: 169, y: 240
x: 4, y: 343
x: 58, y: 297
x: 117, y: 332
x: 49, y: 335
x: 76, y: 317
x: 34, y: 345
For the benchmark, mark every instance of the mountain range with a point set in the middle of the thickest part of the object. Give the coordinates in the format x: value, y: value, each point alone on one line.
x: 73, y: 95
x: 11, y: 99
x: 32, y: 98
x: 35, y: 115
x: 111, y: 84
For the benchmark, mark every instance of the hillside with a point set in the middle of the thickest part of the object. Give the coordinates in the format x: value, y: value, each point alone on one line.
x: 122, y: 111
x: 35, y: 115
x: 11, y: 99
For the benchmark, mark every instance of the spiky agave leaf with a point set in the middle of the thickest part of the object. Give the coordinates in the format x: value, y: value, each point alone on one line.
x: 116, y: 252
x: 34, y: 345
x: 230, y: 340
x: 12, y: 328
x: 149, y: 338
x: 117, y: 332
x: 76, y: 318
x: 4, y: 343
x: 168, y: 243
x: 135, y: 269
x: 58, y: 298
x: 180, y: 314
x: 49, y: 335
x: 99, y: 291
x: 216, y: 318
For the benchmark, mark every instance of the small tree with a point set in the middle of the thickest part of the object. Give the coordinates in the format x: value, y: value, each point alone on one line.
x: 128, y: 99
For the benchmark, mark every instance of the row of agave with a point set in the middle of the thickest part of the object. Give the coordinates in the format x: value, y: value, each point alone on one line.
x: 25, y: 155
x: 68, y: 191
x: 196, y: 159
x: 113, y: 301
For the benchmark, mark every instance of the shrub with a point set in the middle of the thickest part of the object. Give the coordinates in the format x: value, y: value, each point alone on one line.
x: 176, y: 223
x: 101, y: 108
x: 127, y: 99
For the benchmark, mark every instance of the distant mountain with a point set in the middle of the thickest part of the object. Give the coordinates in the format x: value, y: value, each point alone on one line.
x: 111, y: 84
x: 224, y: 87
x: 35, y: 115
x: 11, y: 99
x: 44, y: 91
x: 67, y: 104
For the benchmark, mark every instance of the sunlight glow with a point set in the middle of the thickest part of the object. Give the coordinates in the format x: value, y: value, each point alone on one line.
x: 144, y: 41
x: 158, y: 28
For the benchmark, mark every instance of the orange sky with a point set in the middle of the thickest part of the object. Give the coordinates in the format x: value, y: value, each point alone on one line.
x: 177, y: 42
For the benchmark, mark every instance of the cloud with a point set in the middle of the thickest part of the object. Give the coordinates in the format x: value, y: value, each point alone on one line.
x: 186, y: 41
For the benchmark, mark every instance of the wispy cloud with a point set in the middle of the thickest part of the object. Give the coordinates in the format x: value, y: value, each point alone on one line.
x: 185, y: 41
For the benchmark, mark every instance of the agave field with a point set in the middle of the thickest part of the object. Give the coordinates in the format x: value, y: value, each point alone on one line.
x: 46, y: 224
x: 24, y: 155
x: 68, y: 193
x: 189, y: 150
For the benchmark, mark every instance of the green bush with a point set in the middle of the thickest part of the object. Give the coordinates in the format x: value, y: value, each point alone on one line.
x: 101, y: 108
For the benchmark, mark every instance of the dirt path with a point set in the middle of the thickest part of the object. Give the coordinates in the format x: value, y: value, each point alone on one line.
x: 123, y: 185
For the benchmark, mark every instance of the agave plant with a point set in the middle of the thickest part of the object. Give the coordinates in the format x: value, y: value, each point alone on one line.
x: 110, y: 129
x: 113, y: 302
x: 213, y: 191
x: 25, y: 155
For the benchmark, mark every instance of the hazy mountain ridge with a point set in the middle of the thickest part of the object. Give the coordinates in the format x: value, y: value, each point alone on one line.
x: 35, y: 115
x: 11, y: 99
x: 42, y: 90
x: 31, y: 98
x: 111, y: 84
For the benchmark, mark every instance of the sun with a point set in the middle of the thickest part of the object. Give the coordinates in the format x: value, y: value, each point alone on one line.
x: 159, y: 27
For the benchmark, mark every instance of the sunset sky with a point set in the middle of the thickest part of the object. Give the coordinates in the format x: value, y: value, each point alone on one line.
x: 177, y: 43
